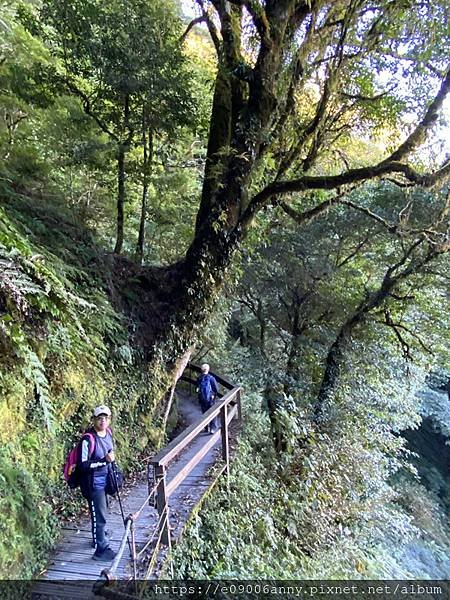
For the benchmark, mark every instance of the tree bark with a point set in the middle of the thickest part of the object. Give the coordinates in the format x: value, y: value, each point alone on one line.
x: 147, y: 143
x: 244, y: 112
x: 334, y: 361
x: 121, y: 154
x: 272, y: 396
x: 120, y: 197
x: 291, y: 371
x: 262, y: 327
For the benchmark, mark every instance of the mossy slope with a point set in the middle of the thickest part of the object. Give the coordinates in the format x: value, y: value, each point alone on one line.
x: 64, y: 347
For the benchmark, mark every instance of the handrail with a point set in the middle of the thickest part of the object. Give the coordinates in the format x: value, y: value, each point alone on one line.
x: 123, y: 544
x: 108, y: 574
x: 163, y: 527
x: 172, y: 450
x: 180, y: 442
x: 137, y: 514
x: 212, y: 440
x: 228, y: 406
x: 157, y: 528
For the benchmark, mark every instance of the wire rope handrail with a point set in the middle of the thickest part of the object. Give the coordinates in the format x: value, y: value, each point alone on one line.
x: 137, y: 513
x: 228, y: 406
x: 108, y: 574
x: 157, y: 545
x: 157, y: 528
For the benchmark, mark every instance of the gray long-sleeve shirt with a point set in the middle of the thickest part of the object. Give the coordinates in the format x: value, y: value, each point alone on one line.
x: 96, y: 464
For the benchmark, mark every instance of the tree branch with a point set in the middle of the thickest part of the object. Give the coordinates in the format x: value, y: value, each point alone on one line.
x: 418, y: 136
x: 309, y: 215
x: 391, y: 227
x: 390, y: 165
x: 403, y: 343
x: 353, y: 253
x: 398, y: 327
x: 329, y: 182
x: 373, y: 300
x: 362, y: 98
x: 87, y: 105
x: 427, y: 65
x: 311, y: 127
x: 258, y: 16
x: 191, y: 25
x: 211, y: 27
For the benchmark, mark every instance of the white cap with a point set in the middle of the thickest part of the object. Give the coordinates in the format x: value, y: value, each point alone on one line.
x: 101, y: 410
x: 205, y: 368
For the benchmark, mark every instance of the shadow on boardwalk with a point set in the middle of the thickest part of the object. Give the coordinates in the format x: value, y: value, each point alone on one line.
x: 72, y: 559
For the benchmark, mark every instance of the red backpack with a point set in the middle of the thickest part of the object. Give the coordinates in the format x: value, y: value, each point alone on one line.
x: 71, y: 471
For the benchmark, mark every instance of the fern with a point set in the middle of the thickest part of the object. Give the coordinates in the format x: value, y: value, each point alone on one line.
x: 37, y: 376
x: 16, y: 284
x: 32, y: 370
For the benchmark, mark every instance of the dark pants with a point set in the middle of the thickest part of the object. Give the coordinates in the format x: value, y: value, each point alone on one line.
x: 206, y: 406
x: 98, y: 509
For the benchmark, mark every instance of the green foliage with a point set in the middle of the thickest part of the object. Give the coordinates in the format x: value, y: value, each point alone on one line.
x: 64, y: 349
x: 327, y: 507
x: 95, y: 49
x: 57, y: 54
x: 29, y: 527
x: 299, y: 287
x: 77, y: 87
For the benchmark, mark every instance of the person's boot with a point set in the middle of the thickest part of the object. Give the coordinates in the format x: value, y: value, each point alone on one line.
x: 107, y: 555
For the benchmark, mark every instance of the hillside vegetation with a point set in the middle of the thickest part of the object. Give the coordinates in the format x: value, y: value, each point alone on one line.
x: 64, y: 348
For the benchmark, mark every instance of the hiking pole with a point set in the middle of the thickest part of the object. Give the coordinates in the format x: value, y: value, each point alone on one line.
x: 116, y: 485
x: 113, y: 469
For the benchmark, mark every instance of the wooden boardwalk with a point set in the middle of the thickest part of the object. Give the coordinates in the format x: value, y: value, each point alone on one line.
x: 71, y: 564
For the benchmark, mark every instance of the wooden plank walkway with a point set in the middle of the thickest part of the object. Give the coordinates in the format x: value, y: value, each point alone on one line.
x: 71, y: 570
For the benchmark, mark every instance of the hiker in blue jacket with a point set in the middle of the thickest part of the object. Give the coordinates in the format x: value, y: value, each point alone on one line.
x: 94, y: 470
x: 207, y: 392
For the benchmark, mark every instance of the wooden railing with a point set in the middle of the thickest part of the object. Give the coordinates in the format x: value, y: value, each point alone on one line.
x: 227, y: 406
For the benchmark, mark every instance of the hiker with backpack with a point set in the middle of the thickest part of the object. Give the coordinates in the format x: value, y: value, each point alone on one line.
x: 95, y: 460
x: 207, y: 392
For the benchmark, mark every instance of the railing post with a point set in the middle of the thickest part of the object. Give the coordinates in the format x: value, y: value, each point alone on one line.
x: 225, y: 448
x: 238, y: 396
x: 151, y: 480
x: 133, y: 549
x: 162, y: 504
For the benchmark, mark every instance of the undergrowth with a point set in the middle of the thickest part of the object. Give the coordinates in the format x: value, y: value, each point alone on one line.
x: 325, y: 509
x: 64, y: 348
